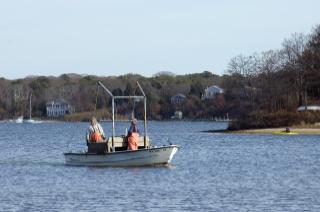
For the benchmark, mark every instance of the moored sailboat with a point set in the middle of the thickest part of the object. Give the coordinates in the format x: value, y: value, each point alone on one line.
x: 30, y: 120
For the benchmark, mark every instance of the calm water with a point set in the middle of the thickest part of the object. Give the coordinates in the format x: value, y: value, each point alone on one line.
x: 211, y: 172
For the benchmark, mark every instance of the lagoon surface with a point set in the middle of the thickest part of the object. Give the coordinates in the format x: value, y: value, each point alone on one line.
x: 210, y: 172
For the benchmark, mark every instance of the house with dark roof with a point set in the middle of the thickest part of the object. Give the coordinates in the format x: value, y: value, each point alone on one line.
x: 177, y: 99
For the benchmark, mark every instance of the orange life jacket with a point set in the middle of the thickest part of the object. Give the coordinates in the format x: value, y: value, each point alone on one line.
x: 95, y: 137
x: 133, y: 140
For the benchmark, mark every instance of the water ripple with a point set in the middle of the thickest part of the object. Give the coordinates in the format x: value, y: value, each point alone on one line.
x: 211, y: 172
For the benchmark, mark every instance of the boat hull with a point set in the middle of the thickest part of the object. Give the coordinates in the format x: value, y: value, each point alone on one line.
x: 32, y: 121
x: 142, y: 157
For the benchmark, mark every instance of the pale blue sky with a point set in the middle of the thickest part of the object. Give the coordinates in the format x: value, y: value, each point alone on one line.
x: 102, y: 37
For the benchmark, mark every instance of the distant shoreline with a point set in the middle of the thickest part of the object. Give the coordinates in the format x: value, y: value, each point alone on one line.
x: 310, y: 130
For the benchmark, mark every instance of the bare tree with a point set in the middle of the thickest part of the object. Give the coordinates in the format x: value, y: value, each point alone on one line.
x: 239, y: 65
x: 294, y: 48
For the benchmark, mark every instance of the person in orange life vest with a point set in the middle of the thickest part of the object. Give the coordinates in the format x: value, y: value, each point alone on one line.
x: 95, y: 132
x: 133, y: 135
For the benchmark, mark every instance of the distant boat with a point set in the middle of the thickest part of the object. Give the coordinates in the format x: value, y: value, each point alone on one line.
x: 19, y: 120
x: 222, y: 119
x: 30, y: 120
x: 104, y: 120
x: 308, y: 108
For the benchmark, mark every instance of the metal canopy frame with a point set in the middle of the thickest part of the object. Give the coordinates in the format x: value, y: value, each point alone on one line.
x: 127, y: 97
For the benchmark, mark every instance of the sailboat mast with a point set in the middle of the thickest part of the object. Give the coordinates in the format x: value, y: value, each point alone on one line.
x: 30, y: 106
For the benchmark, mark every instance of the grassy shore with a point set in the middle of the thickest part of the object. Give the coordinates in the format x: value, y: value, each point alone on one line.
x: 307, y: 131
x: 313, y: 129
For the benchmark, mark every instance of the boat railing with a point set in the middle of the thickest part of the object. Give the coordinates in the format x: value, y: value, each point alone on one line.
x: 120, y: 143
x: 113, y: 111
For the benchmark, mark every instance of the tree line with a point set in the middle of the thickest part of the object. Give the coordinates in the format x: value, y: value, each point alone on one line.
x: 261, y: 90
x: 268, y: 87
x: 82, y: 93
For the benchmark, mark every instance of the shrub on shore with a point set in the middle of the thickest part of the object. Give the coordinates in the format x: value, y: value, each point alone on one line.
x: 86, y: 116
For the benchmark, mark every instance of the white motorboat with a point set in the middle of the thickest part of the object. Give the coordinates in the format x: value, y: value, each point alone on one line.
x: 113, y: 152
x: 141, y: 157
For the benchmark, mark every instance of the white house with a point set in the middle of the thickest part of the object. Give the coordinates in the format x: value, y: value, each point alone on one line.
x: 178, y: 98
x: 211, y: 92
x: 58, y: 107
